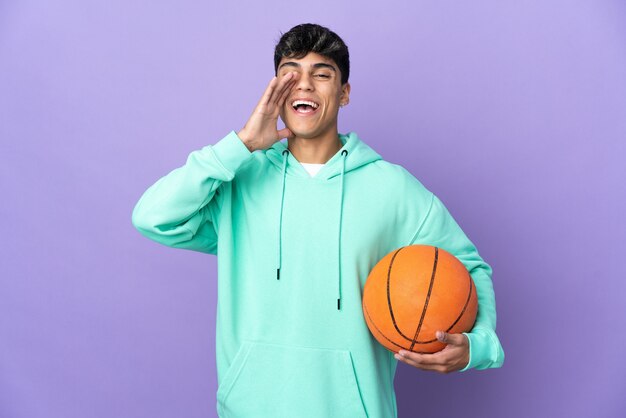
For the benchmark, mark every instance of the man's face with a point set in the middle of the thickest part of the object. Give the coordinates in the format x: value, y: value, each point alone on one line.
x: 319, y: 82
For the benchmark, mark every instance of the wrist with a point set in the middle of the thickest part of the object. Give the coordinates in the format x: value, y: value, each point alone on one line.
x: 247, y: 141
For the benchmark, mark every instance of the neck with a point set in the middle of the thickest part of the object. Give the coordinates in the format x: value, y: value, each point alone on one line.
x: 315, y: 150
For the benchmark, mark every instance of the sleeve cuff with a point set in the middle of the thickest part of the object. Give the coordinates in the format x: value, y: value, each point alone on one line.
x: 231, y: 151
x: 485, y: 350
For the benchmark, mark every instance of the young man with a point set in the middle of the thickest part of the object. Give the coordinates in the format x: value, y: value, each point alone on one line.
x: 297, y: 227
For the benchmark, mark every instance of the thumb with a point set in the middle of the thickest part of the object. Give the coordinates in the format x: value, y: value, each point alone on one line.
x: 454, y: 339
x: 284, y: 133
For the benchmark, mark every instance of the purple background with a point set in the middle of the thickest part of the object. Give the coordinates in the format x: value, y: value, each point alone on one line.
x: 514, y: 113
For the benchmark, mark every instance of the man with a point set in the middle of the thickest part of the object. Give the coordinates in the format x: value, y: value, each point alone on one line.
x: 297, y: 227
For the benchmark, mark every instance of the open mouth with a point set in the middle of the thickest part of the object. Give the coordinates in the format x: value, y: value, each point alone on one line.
x: 304, y: 107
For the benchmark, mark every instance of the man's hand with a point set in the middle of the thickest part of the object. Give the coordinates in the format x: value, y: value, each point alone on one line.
x: 453, y: 357
x: 261, y: 130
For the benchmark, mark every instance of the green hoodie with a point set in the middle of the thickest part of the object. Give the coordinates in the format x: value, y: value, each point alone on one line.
x: 294, y: 253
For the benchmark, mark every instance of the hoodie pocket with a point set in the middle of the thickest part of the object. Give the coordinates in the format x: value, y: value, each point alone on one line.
x: 271, y: 380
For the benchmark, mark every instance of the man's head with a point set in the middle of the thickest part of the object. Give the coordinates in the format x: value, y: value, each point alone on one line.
x: 320, y: 59
x: 310, y: 37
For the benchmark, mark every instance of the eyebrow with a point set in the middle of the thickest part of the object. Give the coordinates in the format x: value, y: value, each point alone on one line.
x: 316, y: 65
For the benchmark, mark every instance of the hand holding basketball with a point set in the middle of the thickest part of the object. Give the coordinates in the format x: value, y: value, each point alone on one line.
x: 453, y: 357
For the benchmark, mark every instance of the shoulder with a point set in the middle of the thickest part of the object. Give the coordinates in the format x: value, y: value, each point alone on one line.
x: 399, y: 178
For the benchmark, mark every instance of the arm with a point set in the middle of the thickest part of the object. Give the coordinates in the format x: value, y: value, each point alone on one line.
x: 440, y: 229
x: 178, y: 209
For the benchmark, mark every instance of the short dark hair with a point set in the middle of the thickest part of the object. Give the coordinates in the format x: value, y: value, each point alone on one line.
x: 311, y: 37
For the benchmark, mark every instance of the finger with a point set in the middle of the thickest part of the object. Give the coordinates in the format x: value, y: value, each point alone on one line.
x: 419, y: 363
x: 284, y: 133
x: 271, y: 89
x: 268, y: 91
x: 453, y: 339
x: 434, y: 359
x: 286, y: 90
x: 286, y: 93
x: 278, y: 90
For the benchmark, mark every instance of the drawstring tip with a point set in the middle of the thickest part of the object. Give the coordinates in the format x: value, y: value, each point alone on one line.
x: 277, y: 274
x: 338, y: 304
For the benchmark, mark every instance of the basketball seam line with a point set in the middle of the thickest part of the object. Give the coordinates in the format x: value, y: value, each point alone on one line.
x: 469, y: 296
x: 430, y: 289
x: 393, y: 318
x: 379, y: 331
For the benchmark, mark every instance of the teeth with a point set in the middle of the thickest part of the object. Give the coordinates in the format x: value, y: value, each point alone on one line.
x: 312, y: 104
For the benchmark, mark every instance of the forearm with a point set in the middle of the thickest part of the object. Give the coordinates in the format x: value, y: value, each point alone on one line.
x: 485, y: 348
x: 172, y: 210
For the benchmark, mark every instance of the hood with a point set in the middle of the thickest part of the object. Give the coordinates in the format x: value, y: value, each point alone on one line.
x: 358, y: 154
x: 353, y: 154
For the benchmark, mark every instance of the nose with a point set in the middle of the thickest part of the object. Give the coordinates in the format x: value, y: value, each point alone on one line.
x: 304, y: 82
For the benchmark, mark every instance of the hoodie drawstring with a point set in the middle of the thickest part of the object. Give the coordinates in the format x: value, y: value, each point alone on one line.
x: 285, y: 153
x: 343, y: 170
x: 280, y: 218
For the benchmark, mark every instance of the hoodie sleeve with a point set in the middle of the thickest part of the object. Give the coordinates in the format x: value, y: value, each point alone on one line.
x: 440, y: 229
x: 180, y: 209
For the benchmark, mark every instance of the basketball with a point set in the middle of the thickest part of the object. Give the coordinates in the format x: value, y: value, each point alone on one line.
x: 415, y: 291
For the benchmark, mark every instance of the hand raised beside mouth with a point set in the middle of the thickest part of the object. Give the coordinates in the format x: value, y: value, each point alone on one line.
x: 261, y: 129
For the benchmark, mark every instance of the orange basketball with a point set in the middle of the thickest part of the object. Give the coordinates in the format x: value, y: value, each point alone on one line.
x: 413, y: 292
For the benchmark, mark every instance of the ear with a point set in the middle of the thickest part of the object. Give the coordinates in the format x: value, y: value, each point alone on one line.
x: 345, y: 94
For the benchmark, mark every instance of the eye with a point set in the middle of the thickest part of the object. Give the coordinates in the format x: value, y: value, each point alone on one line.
x: 322, y: 75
